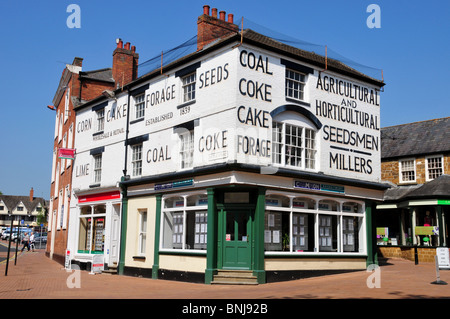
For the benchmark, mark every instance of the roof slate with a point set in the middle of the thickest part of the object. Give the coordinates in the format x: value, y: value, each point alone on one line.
x: 419, y: 138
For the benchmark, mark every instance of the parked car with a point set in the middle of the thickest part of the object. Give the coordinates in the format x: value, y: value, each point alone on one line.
x: 38, y: 237
x: 5, y: 234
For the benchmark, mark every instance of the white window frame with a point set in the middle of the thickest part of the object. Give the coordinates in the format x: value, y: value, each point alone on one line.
x: 316, y: 213
x: 98, y: 159
x: 186, y: 149
x: 182, y: 214
x: 188, y: 87
x: 402, y: 169
x: 100, y: 120
x: 307, y: 146
x: 139, y: 106
x: 142, y: 232
x: 295, y: 83
x: 427, y: 166
x: 136, y: 160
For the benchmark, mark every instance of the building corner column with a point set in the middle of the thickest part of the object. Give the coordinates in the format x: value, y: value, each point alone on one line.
x: 211, y: 246
x: 155, y: 267
x: 259, y: 270
x: 372, y: 257
x: 123, y: 229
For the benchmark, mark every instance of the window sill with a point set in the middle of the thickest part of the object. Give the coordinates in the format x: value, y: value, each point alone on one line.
x: 185, y: 104
x: 140, y: 258
x: 288, y: 99
x: 137, y: 120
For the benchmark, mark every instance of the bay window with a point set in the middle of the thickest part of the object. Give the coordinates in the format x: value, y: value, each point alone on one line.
x: 297, y: 224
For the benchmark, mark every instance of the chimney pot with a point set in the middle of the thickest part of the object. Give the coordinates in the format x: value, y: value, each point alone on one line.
x: 206, y: 10
x: 230, y: 18
x: 133, y: 48
x: 222, y: 15
x: 120, y: 44
x: 214, y: 12
x: 127, y: 46
x: 31, y: 194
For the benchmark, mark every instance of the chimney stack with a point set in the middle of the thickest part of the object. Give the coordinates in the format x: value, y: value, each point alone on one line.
x: 211, y: 28
x: 125, y: 64
x: 31, y: 194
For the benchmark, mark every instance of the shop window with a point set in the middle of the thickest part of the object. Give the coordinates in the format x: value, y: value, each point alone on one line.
x: 352, y: 207
x: 303, y: 203
x: 327, y: 233
x: 306, y: 222
x: 185, y: 223
x: 328, y: 205
x: 350, y: 233
x: 91, y: 235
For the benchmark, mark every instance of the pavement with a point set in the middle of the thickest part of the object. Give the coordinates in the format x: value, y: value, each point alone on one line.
x: 34, y: 276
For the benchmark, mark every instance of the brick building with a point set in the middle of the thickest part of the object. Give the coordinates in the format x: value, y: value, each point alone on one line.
x: 77, y: 87
x: 416, y: 160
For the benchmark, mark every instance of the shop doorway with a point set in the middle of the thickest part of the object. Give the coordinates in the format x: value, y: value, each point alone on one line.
x: 237, y: 239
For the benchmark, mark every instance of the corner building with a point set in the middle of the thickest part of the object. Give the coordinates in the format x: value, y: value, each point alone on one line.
x: 248, y: 158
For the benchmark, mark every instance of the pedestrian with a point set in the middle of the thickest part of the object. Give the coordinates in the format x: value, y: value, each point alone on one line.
x: 26, y: 242
x: 32, y: 241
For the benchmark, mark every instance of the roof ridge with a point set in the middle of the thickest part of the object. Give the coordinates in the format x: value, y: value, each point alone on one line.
x: 417, y: 122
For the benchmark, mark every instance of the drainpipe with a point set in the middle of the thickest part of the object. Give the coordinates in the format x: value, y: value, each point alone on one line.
x: 124, y: 215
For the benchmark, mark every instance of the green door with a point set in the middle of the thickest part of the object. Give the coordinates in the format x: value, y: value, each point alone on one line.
x: 237, y: 247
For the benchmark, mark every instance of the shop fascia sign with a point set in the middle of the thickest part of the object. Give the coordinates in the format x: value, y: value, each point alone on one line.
x: 177, y: 184
x: 319, y: 187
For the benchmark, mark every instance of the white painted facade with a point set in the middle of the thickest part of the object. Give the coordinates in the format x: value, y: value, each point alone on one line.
x: 236, y: 89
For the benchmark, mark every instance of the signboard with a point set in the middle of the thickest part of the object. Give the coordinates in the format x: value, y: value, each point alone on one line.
x: 443, y: 257
x: 426, y: 230
x: 66, y: 153
x: 67, y: 260
x: 99, y: 197
x: 170, y: 185
x: 443, y: 201
x: 97, y: 263
x: 319, y: 187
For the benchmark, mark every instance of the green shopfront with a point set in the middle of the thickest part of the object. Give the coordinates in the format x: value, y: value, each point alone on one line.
x: 274, y: 227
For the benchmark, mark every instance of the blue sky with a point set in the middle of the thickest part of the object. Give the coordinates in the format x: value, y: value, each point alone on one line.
x: 412, y: 48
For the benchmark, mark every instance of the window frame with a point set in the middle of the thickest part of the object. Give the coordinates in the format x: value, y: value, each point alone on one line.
x: 188, y: 87
x: 186, y: 149
x: 427, y: 166
x: 402, y: 170
x: 280, y: 146
x: 139, y: 106
x: 301, y: 82
x: 340, y: 213
x: 142, y: 232
x: 100, y: 127
x: 98, y: 159
x: 136, y: 161
x: 186, y: 212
